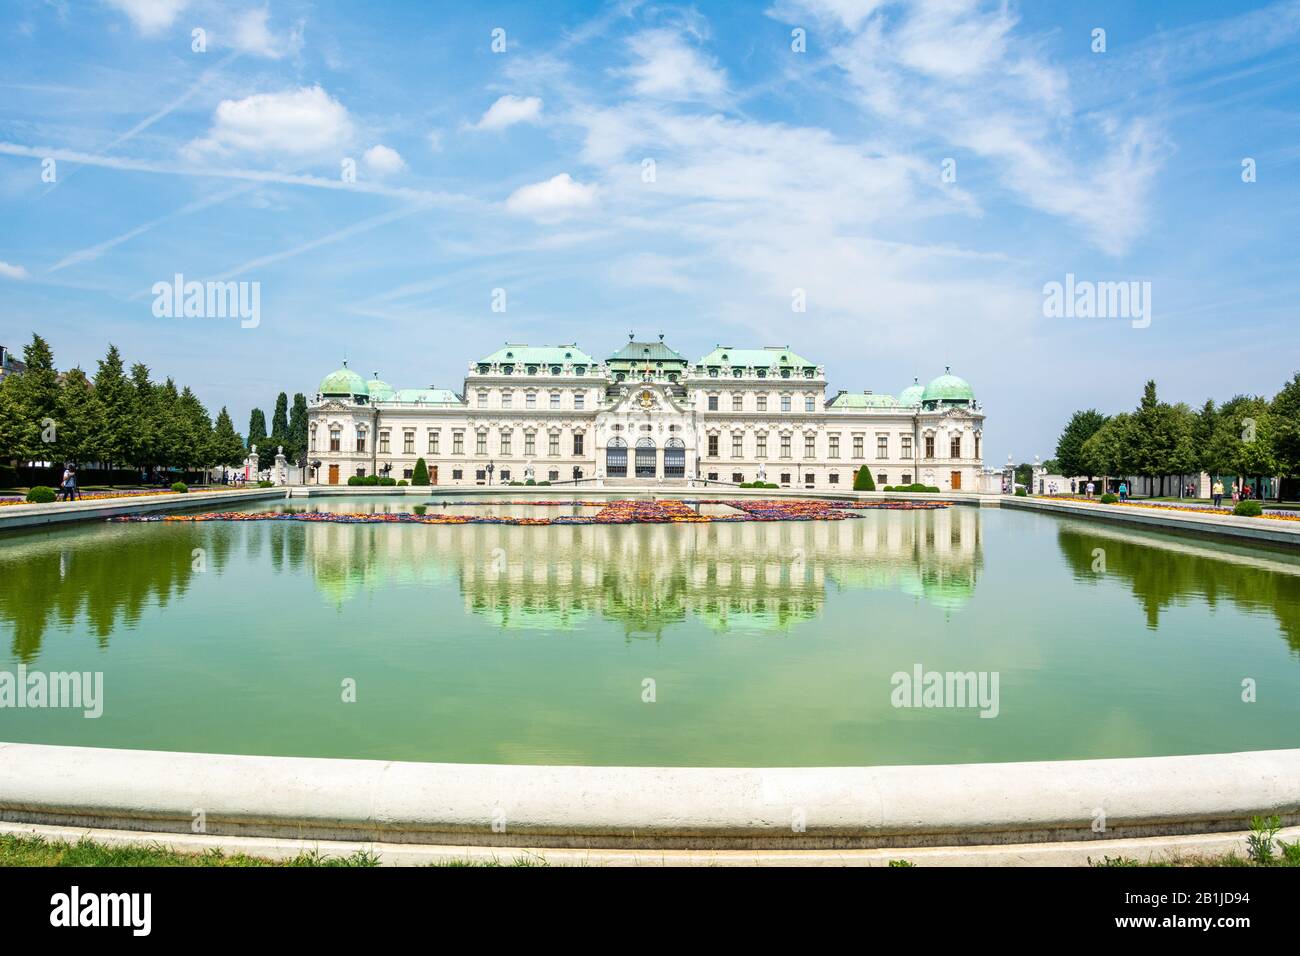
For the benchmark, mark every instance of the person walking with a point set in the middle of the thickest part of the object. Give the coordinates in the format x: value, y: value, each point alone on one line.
x: 1123, y: 491
x: 1091, y: 488
x: 1217, y: 492
x: 65, y: 484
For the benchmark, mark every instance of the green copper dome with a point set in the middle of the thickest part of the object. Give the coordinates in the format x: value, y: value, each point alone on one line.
x: 344, y: 381
x: 911, y: 395
x: 948, y: 388
x: 380, y: 391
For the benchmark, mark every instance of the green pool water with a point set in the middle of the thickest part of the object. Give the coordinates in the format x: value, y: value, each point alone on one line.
x: 762, y: 644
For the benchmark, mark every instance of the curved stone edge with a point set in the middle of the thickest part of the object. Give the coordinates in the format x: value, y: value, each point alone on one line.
x: 487, y: 805
x: 1165, y: 849
x: 1257, y: 530
x: 31, y: 516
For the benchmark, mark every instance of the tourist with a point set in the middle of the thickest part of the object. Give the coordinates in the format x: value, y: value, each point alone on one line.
x: 1123, y: 491
x: 1217, y: 492
x: 1091, y: 487
x: 72, y: 484
x: 65, y: 484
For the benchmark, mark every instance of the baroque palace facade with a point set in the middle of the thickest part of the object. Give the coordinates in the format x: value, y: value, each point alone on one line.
x: 646, y: 415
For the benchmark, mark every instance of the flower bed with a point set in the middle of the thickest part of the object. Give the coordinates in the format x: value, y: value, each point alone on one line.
x: 1171, y: 506
x: 669, y: 511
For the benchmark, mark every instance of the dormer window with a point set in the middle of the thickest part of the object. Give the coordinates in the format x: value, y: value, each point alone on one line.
x: 507, y: 369
x: 532, y: 370
x: 809, y: 372
x: 484, y: 369
x: 555, y: 370
x: 580, y: 369
x: 762, y: 373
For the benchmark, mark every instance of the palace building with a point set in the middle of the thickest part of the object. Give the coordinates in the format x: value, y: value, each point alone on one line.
x: 646, y: 415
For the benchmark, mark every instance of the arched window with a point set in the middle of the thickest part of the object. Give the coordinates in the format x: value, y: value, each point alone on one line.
x: 616, y: 458
x: 674, y: 458
x: 647, y: 458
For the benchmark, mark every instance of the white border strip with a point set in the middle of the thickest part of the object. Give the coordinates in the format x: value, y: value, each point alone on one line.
x: 645, y: 807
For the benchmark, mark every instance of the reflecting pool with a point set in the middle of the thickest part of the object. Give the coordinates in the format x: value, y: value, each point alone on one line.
x: 745, y: 644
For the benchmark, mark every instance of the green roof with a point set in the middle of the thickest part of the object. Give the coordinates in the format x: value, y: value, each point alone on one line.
x: 863, y: 400
x: 647, y: 352
x: 380, y: 391
x: 768, y: 357
x: 911, y: 395
x: 427, y: 396
x: 539, y: 355
x: 948, y: 388
x: 343, y: 381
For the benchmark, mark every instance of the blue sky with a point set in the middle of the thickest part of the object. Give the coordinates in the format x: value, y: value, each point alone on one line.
x: 774, y: 170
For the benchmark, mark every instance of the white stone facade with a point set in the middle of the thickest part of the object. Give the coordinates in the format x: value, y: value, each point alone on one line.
x: 555, y: 414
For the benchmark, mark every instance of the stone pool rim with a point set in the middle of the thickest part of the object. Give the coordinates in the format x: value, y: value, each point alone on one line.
x: 646, y: 808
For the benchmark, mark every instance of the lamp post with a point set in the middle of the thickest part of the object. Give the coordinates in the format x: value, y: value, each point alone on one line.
x: 490, y: 468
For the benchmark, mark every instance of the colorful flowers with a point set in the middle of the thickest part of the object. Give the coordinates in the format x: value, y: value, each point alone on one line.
x: 667, y: 511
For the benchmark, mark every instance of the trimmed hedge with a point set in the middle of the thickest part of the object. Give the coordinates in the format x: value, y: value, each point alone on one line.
x: 1021, y: 493
x: 914, y: 487
x: 758, y: 484
x: 421, y: 474
x: 180, y: 487
x: 40, y: 495
x: 862, y: 480
x: 1250, y: 508
x: 1107, y: 499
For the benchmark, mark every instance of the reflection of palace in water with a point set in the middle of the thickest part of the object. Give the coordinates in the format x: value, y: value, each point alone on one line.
x: 732, y: 575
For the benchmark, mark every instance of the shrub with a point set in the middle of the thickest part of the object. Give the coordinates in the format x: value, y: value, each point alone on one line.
x: 370, y: 481
x: 1107, y: 499
x: 180, y: 487
x: 420, y: 509
x: 353, y: 480
x: 1250, y: 508
x: 542, y: 483
x: 530, y: 481
x: 387, y: 482
x: 266, y: 484
x: 40, y: 495
x: 401, y: 483
x: 421, y: 475
x: 1021, y: 493
x: 862, y: 480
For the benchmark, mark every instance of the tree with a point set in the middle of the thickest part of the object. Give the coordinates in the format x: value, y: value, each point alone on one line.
x: 227, y: 446
x: 257, y: 430
x: 296, y: 447
x: 862, y: 480
x: 1203, y: 434
x: 1244, y: 439
x: 1109, y: 451
x: 421, y: 474
x: 113, y: 434
x: 280, y: 422
x: 1069, y: 447
x: 35, y: 397
x: 11, y: 437
x: 197, y: 428
x: 78, y: 415
x: 1285, y: 414
x: 146, y: 418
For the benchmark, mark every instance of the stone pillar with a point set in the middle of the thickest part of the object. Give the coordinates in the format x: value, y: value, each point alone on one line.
x: 281, y: 473
x: 250, y: 465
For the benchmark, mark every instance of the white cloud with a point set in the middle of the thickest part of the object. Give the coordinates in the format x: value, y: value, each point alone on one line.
x: 435, y: 141
x: 252, y: 35
x: 383, y: 160
x: 150, y: 17
x: 556, y: 198
x: 13, y: 272
x: 509, y: 110
x: 671, y: 69
x: 298, y: 123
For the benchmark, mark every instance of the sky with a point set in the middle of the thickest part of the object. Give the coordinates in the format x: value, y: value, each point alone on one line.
x: 885, y: 186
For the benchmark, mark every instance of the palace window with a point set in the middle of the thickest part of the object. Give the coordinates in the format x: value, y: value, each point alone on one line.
x: 361, y: 439
x: 507, y: 398
x: 579, y: 400
x: 457, y: 474
x: 480, y: 443
x: 336, y: 436
x: 785, y: 446
x: 408, y: 472
x: 857, y: 446
x: 361, y: 472
x: 713, y: 476
x: 809, y: 372
x: 907, y: 450
x: 977, y: 444
x: 737, y: 477
x: 882, y: 446
x: 834, y: 478
x: 552, y: 476
x: 505, y: 474
x: 834, y: 446
x: 882, y: 479
x: 810, y: 403
x: 785, y: 403
x: 761, y: 372
x: 482, y: 399
x: 810, y: 445
x: 408, y: 443
x: 785, y: 477
x: 555, y: 400
x: 954, y: 447
x: 530, y: 400
x: 553, y: 446
x: 713, y: 446
x: 737, y: 403
x: 907, y: 479
x: 458, y: 443
x: 507, y: 437
x: 433, y: 442
x: 762, y: 403
x: 383, y: 443
x: 312, y: 444
x: 713, y: 403
x: 578, y: 441
x: 737, y: 445
x: 530, y: 443
x: 929, y: 446
x: 761, y: 440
